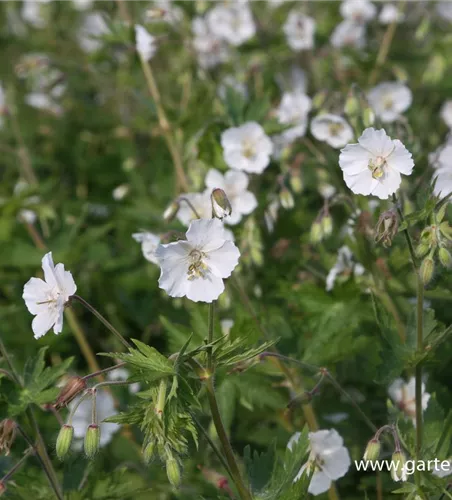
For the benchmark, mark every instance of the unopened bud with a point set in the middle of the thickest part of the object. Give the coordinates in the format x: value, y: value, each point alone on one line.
x: 64, y: 441
x: 149, y: 451
x: 441, y: 212
x: 372, y: 450
x: 422, y: 249
x: 427, y: 269
x: 296, y: 182
x: 445, y: 257
x: 319, y: 99
x: 316, y: 232
x: 171, y: 211
x: 221, y: 206
x: 368, y: 117
x: 286, y: 198
x: 398, y: 470
x: 327, y: 225
x: 352, y: 105
x: 92, y: 440
x: 387, y: 227
x: 173, y: 472
x: 73, y: 387
x: 8, y: 429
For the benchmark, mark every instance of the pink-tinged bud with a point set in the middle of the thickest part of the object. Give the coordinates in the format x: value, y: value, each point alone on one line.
x: 221, y: 206
x: 92, y: 441
x: 8, y: 429
x: 218, y: 480
x: 64, y: 441
x: 74, y: 386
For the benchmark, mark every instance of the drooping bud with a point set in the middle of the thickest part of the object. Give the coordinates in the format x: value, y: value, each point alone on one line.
x: 149, y: 451
x: 316, y: 232
x: 221, y: 206
x: 73, y: 387
x: 173, y: 471
x: 286, y: 198
x: 372, y: 450
x: 398, y: 470
x: 427, y: 269
x: 445, y: 258
x: 352, y: 105
x: 171, y: 211
x: 92, y: 440
x: 296, y: 182
x: 64, y: 441
x: 8, y: 429
x: 368, y: 117
x: 327, y: 225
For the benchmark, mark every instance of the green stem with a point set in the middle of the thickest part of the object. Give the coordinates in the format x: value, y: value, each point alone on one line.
x: 105, y: 370
x: 17, y: 466
x: 99, y: 316
x: 210, y: 338
x: 418, y: 373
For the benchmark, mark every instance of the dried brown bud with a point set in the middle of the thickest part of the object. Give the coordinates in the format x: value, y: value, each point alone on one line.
x: 387, y: 227
x: 8, y: 429
x: 74, y: 386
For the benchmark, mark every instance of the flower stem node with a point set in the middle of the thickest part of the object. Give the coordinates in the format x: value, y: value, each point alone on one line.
x: 73, y: 387
x: 398, y: 469
x: 427, y: 269
x: 221, y: 206
x: 373, y: 449
x: 92, y: 441
x: 173, y: 472
x: 64, y: 441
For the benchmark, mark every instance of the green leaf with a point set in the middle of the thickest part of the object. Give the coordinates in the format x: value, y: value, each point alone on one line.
x: 259, y: 466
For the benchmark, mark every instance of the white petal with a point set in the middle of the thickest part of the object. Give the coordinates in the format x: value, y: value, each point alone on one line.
x: 336, y: 464
x: 42, y: 323
x: 236, y: 181
x: 174, y: 267
x: 35, y: 291
x: 245, y: 203
x: 320, y: 483
x: 66, y: 281
x: 293, y: 440
x: 400, y: 159
x: 377, y: 142
x: 214, y: 179
x: 325, y: 441
x: 222, y: 261
x: 361, y: 183
x: 387, y: 185
x: 395, y: 390
x: 205, y: 290
x: 206, y: 234
x: 49, y: 269
x: 354, y: 159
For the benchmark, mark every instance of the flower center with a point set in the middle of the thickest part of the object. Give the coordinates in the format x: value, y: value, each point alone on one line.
x: 376, y: 166
x: 248, y: 149
x: 388, y: 103
x: 197, y: 268
x: 335, y: 129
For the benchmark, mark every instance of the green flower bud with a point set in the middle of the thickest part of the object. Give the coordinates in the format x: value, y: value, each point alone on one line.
x: 441, y: 212
x: 221, y: 205
x: 398, y: 472
x: 286, y: 198
x: 316, y: 232
x: 352, y: 105
x: 422, y: 250
x: 319, y: 99
x: 173, y: 472
x: 92, y: 440
x: 372, y: 450
x: 64, y: 441
x: 296, y: 182
x: 427, y: 269
x: 149, y: 451
x: 327, y: 225
x: 445, y: 257
x: 368, y: 117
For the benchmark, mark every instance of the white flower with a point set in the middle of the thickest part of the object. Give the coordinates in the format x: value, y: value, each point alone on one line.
x: 234, y: 183
x: 247, y: 148
x: 389, y: 100
x: 444, y: 10
x: 32, y: 13
x: 122, y: 374
x: 210, y: 49
x: 105, y: 406
x: 195, y: 268
x: 404, y: 396
x: 164, y: 10
x: 43, y: 102
x: 120, y: 192
x: 443, y: 469
x: 149, y: 243
x: 293, y: 110
x: 442, y: 156
x: 271, y: 215
x: 232, y: 23
x: 145, y: 43
x: 46, y: 298
x: 373, y: 166
x: 92, y: 29
x: 443, y: 185
x: 348, y: 34
x: 358, y: 11
x: 200, y: 202
x: 390, y: 13
x: 446, y: 113
x: 345, y: 265
x: 226, y: 325
x: 231, y: 82
x: 82, y: 4
x: 332, y: 129
x: 328, y: 457
x: 299, y: 30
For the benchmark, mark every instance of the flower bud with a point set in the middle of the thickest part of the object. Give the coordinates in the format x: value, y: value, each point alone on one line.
x: 64, y: 441
x: 316, y: 232
x: 327, y: 225
x: 387, y: 227
x: 73, y: 387
x: 441, y: 212
x: 296, y: 182
x: 427, y: 269
x: 171, y: 211
x: 221, y: 206
x: 286, y: 198
x: 445, y: 257
x: 372, y: 450
x: 92, y: 440
x: 149, y: 451
x: 319, y: 99
x: 398, y: 472
x: 2, y: 488
x: 8, y: 430
x: 352, y: 105
x: 368, y: 117
x: 422, y: 249
x: 173, y: 472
